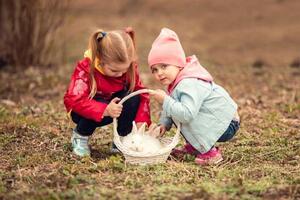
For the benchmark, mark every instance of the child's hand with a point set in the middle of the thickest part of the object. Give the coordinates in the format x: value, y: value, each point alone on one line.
x: 156, y: 131
x: 162, y: 130
x: 159, y: 95
x: 113, y: 109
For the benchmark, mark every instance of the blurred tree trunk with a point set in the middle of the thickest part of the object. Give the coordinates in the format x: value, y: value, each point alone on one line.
x: 30, y: 31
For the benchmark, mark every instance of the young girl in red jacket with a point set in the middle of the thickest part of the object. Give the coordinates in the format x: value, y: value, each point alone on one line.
x: 108, y: 72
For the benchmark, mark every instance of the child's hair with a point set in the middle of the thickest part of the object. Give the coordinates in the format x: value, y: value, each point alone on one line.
x: 116, y: 46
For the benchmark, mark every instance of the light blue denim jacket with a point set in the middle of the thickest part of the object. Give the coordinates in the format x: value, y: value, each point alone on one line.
x: 204, y: 110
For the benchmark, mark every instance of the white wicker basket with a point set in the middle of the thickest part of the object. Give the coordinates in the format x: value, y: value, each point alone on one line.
x: 141, y: 158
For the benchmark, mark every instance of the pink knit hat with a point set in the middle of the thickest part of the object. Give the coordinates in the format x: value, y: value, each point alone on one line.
x: 167, y: 49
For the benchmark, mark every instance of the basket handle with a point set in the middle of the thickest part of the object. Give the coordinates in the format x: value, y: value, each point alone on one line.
x: 116, y: 135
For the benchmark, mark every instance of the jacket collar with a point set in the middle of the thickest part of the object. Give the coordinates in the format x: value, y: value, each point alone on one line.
x: 192, y: 69
x: 88, y: 54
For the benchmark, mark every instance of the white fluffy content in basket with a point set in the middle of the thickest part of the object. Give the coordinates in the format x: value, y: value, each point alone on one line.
x: 145, y: 149
x: 143, y: 141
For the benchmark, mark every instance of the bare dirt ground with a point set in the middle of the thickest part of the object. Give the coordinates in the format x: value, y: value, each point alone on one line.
x: 252, y: 48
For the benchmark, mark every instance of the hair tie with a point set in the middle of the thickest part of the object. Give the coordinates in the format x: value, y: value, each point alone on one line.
x: 101, y: 35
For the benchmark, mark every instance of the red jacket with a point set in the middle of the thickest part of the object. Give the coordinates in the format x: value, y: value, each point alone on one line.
x: 77, y: 95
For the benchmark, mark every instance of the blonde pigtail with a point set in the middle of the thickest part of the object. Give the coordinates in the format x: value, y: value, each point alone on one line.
x: 131, y: 72
x: 132, y: 68
x: 94, y: 41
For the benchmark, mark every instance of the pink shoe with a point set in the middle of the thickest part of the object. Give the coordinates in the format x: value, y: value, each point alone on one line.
x: 213, y: 156
x: 186, y: 149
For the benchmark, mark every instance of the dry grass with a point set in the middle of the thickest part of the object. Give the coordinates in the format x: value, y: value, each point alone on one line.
x: 36, y: 159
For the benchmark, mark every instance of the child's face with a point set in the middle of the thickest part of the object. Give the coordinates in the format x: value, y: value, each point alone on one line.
x: 165, y: 73
x: 115, y: 69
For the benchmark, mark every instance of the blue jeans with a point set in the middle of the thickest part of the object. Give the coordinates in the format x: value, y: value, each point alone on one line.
x: 86, y: 127
x: 230, y: 132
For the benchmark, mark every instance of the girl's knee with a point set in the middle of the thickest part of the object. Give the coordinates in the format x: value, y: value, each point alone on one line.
x: 230, y: 132
x: 75, y: 117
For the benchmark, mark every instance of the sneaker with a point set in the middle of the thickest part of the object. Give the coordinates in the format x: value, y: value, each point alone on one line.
x: 186, y: 149
x: 80, y: 144
x: 114, y: 148
x: 213, y: 156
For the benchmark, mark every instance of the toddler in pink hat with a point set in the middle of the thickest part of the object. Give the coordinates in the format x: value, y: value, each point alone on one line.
x: 205, y: 110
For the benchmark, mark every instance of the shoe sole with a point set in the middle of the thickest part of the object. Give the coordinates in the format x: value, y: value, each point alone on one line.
x: 79, y: 154
x: 209, y: 162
